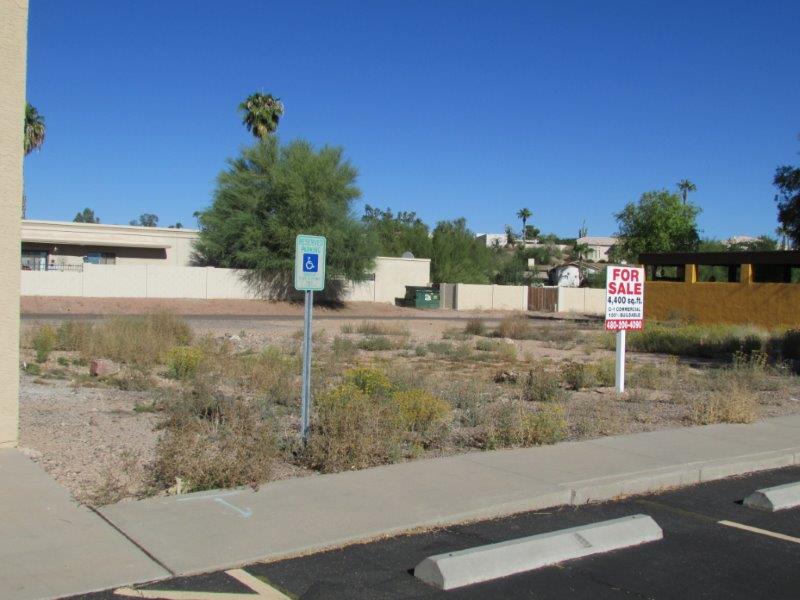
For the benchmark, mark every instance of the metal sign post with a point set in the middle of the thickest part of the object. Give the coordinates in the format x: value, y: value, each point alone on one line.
x: 309, y: 276
x: 624, y: 310
x: 305, y: 406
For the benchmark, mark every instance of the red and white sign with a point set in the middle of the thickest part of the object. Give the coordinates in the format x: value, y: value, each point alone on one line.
x: 624, y: 298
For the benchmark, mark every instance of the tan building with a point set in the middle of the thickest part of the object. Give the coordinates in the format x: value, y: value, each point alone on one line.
x: 598, y: 247
x: 63, y: 246
x: 13, y: 46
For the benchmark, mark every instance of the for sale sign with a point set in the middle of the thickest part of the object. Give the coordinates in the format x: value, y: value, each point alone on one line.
x: 624, y: 298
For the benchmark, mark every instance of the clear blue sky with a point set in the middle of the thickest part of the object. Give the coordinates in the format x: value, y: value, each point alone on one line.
x: 447, y: 108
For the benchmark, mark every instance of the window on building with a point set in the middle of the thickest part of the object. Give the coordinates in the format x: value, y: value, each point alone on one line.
x: 34, y: 260
x: 100, y: 258
x: 665, y: 272
x: 776, y: 274
x: 719, y: 273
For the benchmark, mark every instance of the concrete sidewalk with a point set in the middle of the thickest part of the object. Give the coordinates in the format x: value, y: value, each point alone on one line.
x: 214, y: 530
x: 50, y: 546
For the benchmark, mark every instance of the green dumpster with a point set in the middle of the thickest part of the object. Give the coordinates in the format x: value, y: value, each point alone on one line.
x: 426, y: 298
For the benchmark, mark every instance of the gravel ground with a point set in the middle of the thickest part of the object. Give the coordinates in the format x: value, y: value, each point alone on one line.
x: 94, y: 442
x: 83, y: 435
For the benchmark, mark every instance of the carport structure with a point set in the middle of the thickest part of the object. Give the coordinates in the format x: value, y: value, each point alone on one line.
x: 748, y: 288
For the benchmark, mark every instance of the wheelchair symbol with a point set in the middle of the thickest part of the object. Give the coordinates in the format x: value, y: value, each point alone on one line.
x: 310, y: 263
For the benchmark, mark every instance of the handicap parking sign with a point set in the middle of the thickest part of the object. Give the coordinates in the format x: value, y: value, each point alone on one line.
x: 310, y: 263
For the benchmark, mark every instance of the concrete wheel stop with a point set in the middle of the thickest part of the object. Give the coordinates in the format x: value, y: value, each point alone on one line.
x: 484, y: 563
x: 775, y: 498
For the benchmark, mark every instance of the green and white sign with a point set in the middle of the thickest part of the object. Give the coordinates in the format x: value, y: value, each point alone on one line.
x: 309, y: 263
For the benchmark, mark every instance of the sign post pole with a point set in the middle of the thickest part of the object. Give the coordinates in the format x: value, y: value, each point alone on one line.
x: 624, y: 310
x: 619, y: 372
x: 305, y: 406
x: 309, y: 276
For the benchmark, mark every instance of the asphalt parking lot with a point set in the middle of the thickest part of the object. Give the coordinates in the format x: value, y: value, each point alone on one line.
x: 699, y: 557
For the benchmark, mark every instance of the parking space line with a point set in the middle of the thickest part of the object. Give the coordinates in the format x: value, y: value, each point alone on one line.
x: 262, y: 590
x: 257, y: 585
x: 773, y: 534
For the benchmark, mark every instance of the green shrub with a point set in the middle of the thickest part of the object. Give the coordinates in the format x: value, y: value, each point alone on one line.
x: 134, y: 380
x: 33, y: 369
x: 789, y: 344
x: 375, y: 343
x: 183, y: 361
x: 604, y: 372
x: 561, y: 335
x: 270, y: 374
x: 373, y: 328
x: 43, y: 342
x: 235, y: 448
x: 74, y: 335
x: 485, y: 345
x: 731, y: 404
x: 507, y: 352
x: 457, y: 352
x: 541, y: 386
x: 703, y: 341
x: 369, y: 380
x: 422, y: 412
x: 352, y: 430
x: 645, y: 376
x: 516, y: 328
x: 147, y: 407
x: 452, y: 333
x: 63, y: 361
x: 576, y: 375
x: 512, y: 423
x: 343, y: 348
x: 139, y: 340
x: 475, y: 327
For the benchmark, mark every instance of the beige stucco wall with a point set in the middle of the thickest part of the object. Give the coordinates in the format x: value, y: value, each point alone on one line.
x: 160, y: 281
x: 491, y: 297
x: 473, y: 296
x: 163, y: 282
x: 363, y: 291
x: 69, y: 242
x: 227, y: 284
x: 114, y: 281
x: 13, y: 46
x: 587, y: 301
x: 392, y: 275
x: 51, y: 283
x: 509, y: 297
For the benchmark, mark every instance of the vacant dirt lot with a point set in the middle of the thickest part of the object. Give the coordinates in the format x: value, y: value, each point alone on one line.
x: 477, y: 385
x: 39, y: 305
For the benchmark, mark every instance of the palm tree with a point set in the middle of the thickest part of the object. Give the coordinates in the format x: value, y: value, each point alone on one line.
x: 34, y: 129
x: 33, y: 138
x: 261, y: 114
x: 524, y: 214
x: 685, y: 186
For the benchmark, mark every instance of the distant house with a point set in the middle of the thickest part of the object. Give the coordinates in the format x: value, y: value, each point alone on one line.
x: 493, y: 239
x: 598, y: 246
x: 65, y: 246
x: 740, y: 239
x: 569, y: 275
